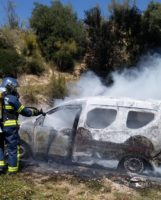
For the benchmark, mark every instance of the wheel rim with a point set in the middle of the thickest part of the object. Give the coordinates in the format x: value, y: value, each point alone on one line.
x: 134, y: 165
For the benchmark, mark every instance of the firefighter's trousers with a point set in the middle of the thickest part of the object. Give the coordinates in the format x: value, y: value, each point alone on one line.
x: 2, y: 163
x: 12, y: 141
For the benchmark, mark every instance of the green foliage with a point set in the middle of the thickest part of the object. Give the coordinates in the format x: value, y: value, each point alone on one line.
x: 30, y: 50
x: 10, y: 62
x: 109, y: 43
x: 62, y: 39
x: 63, y: 56
x: 152, y: 26
x: 100, y: 42
x: 5, y: 41
x: 126, y: 20
x: 18, y: 58
x: 119, y: 41
x: 30, y: 44
x: 34, y: 67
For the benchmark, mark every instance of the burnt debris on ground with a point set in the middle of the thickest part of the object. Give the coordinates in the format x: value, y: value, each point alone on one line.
x: 54, y: 169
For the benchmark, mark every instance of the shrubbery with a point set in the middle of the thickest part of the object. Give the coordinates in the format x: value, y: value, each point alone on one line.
x: 34, y: 67
x: 64, y: 55
x: 60, y: 34
x: 19, y: 53
x: 11, y: 62
x: 30, y: 47
x: 57, y: 87
x: 8, y: 38
x: 109, y: 43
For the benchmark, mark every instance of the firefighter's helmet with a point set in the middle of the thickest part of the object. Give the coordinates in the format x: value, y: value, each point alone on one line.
x: 10, y: 84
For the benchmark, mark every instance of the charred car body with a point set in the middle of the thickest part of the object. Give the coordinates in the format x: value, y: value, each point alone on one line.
x: 99, y: 131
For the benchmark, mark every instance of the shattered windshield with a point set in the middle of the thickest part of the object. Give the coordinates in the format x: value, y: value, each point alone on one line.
x: 62, y: 118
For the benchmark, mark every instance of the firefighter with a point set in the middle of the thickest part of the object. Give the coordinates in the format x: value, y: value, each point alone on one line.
x: 10, y: 126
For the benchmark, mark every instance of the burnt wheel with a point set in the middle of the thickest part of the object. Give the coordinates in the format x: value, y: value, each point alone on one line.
x: 134, y: 164
x: 25, y: 151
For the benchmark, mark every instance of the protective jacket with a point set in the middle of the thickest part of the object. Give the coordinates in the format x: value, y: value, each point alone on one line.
x: 11, y: 110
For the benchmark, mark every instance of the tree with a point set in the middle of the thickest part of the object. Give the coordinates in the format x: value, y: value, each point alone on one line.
x: 61, y: 35
x: 10, y: 60
x: 99, y: 42
x: 152, y: 26
x: 12, y: 17
x: 127, y: 21
x: 114, y: 42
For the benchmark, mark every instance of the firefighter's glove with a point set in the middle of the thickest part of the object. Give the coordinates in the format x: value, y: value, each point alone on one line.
x: 37, y: 112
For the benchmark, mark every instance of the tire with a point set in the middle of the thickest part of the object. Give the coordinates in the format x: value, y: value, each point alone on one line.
x: 25, y: 151
x: 134, y: 164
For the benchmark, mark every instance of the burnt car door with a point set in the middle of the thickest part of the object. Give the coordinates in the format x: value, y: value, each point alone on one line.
x: 53, y: 134
x: 99, y: 137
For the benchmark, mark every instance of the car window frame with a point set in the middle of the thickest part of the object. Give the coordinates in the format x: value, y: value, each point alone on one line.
x: 140, y: 110
x: 93, y: 106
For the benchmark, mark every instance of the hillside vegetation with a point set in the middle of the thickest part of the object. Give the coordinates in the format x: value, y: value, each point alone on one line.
x: 56, y: 42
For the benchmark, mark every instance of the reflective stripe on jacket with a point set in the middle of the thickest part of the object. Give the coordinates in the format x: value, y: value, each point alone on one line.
x: 11, y: 109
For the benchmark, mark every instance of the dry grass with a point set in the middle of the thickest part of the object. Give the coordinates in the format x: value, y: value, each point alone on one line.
x: 44, y: 89
x: 34, y: 186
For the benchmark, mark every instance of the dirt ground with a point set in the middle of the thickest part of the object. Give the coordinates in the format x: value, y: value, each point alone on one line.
x: 46, y: 181
x: 65, y: 182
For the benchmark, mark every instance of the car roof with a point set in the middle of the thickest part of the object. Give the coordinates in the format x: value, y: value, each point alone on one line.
x: 113, y: 101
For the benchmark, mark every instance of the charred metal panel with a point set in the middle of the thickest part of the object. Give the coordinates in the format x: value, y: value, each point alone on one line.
x: 41, y: 135
x: 61, y: 143
x: 26, y: 132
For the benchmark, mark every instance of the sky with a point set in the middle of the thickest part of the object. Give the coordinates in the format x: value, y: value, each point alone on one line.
x: 25, y: 7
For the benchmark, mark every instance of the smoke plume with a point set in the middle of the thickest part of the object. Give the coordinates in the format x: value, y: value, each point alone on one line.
x: 142, y: 81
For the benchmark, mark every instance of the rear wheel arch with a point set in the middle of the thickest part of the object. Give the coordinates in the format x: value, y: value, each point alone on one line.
x: 140, y: 144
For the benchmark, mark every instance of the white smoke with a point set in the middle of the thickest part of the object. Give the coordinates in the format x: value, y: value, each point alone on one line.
x: 143, y: 81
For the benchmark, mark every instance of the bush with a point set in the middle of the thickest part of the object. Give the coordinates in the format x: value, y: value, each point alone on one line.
x: 6, y: 39
x: 30, y: 50
x: 3, y: 42
x: 35, y: 67
x: 10, y: 62
x: 57, y: 87
x: 64, y: 62
x: 30, y: 44
x: 64, y: 55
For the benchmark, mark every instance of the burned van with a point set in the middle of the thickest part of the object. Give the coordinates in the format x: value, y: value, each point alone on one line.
x: 99, y: 131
